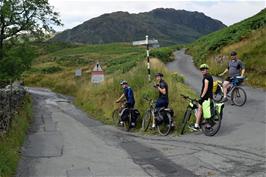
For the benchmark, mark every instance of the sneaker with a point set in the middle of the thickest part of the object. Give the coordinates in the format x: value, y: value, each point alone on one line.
x: 132, y: 125
x: 121, y: 123
x: 153, y: 126
x: 224, y: 99
x: 172, y: 124
x: 192, y: 127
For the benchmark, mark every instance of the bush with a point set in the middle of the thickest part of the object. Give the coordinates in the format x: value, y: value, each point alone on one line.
x: 51, y: 69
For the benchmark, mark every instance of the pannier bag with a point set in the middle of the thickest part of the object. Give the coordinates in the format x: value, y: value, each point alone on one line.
x: 135, y: 115
x: 219, y: 108
x: 162, y: 114
x: 208, y: 109
x: 125, y: 113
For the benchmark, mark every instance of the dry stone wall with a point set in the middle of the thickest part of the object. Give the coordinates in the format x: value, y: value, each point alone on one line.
x: 11, y: 98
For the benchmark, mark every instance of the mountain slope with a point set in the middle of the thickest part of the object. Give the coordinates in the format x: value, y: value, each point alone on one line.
x: 247, y: 37
x: 168, y: 25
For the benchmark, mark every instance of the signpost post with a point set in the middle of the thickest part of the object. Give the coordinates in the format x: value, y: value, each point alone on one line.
x: 147, y: 42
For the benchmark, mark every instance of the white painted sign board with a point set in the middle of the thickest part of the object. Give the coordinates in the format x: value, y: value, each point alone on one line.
x: 144, y: 42
x: 97, y: 75
x: 78, y: 73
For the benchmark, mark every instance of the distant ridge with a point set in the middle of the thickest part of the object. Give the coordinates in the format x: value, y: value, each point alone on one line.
x: 169, y: 26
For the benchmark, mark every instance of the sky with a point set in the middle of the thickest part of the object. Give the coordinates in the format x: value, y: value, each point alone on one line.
x: 75, y: 12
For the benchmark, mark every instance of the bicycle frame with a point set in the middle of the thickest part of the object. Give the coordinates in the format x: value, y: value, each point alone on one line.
x: 229, y: 89
x: 214, y: 120
x: 152, y: 109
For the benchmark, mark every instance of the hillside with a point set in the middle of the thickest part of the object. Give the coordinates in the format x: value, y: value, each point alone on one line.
x: 170, y: 26
x: 247, y: 37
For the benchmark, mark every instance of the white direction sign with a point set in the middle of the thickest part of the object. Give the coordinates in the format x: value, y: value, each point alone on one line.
x: 144, y: 42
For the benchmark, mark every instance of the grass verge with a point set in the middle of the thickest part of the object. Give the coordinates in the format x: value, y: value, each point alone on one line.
x: 11, y: 142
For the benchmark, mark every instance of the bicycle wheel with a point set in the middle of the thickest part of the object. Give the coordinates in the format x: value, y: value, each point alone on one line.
x: 116, y: 117
x: 165, y: 127
x: 239, y: 96
x: 185, y: 120
x: 146, y: 121
x: 214, y: 123
x: 218, y: 95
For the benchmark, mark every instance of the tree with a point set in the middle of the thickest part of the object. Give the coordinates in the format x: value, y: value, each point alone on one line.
x: 31, y: 17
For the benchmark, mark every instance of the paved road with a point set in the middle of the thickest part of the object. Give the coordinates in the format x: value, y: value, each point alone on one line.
x: 64, y: 141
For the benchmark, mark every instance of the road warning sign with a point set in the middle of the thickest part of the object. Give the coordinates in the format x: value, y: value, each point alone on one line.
x: 97, y: 75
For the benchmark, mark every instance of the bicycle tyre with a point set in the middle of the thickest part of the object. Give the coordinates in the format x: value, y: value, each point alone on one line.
x: 165, y: 127
x: 116, y: 117
x: 217, y: 97
x: 216, y: 120
x: 146, y: 121
x: 127, y: 123
x: 236, y: 93
x: 185, y: 120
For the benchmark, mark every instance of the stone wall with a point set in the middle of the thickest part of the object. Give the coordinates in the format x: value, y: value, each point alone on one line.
x: 11, y: 98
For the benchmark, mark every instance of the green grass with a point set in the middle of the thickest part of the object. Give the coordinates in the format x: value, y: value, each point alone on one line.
x: 165, y: 54
x: 11, y: 142
x: 123, y: 62
x: 248, y: 38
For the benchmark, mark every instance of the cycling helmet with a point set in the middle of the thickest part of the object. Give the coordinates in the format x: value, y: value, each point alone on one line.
x: 122, y: 82
x: 204, y: 66
x: 159, y: 74
x: 233, y: 53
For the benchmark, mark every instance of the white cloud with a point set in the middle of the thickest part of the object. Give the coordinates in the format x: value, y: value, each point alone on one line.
x: 74, y: 12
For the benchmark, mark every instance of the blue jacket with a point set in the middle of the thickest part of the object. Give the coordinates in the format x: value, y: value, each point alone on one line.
x: 129, y: 95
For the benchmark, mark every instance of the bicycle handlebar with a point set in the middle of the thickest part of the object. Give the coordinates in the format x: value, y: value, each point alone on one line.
x: 188, y: 98
x: 147, y: 99
x: 122, y: 101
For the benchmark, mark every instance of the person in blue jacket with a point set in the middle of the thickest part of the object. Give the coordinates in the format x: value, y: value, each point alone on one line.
x: 130, y: 100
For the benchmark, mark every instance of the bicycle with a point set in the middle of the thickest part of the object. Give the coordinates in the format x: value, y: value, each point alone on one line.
x: 118, y: 112
x: 151, y: 115
x: 208, y: 126
x: 235, y: 91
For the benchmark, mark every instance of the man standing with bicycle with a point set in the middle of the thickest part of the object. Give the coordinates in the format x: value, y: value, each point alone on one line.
x: 162, y: 87
x: 130, y: 102
x: 235, y: 68
x: 205, y: 94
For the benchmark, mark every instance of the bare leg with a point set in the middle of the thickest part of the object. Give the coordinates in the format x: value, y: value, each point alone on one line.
x: 225, y: 87
x: 198, y: 114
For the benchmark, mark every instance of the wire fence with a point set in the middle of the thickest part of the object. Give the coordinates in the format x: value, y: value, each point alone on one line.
x: 11, y: 97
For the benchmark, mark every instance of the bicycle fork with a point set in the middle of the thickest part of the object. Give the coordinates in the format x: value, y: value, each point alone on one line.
x: 153, y: 118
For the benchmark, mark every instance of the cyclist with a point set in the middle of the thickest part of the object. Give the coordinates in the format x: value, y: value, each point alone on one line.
x: 130, y: 101
x: 235, y: 68
x: 162, y: 87
x: 205, y: 94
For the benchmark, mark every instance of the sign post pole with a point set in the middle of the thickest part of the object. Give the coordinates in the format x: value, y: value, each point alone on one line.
x: 148, y: 58
x: 147, y: 42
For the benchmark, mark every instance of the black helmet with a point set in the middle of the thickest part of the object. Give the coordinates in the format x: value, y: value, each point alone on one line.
x: 233, y: 53
x: 159, y: 74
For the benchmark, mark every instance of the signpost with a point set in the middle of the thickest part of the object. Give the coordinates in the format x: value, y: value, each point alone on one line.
x: 147, y: 42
